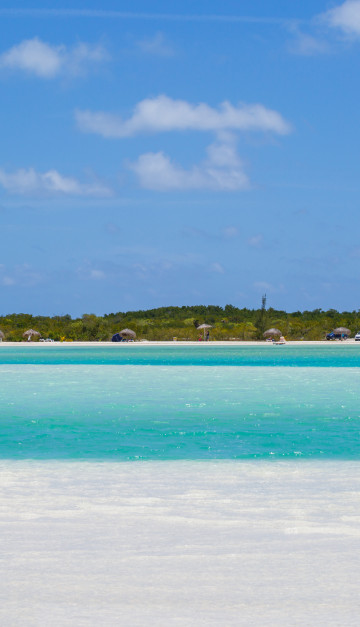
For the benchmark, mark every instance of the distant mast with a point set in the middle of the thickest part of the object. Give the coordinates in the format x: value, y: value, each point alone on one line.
x: 261, y: 318
x: 263, y: 302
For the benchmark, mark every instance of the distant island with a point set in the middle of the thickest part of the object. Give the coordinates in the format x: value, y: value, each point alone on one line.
x: 165, y: 323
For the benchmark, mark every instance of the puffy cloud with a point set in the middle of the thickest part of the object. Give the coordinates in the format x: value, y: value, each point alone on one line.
x: 29, y: 181
x: 33, y: 56
x: 45, y: 61
x: 346, y: 17
x: 163, y: 114
x: 222, y: 170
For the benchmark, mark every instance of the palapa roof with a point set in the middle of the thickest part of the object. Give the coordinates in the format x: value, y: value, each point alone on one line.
x: 128, y: 332
x: 273, y: 332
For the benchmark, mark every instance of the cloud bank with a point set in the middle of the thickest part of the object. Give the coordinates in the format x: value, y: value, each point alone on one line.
x: 163, y: 114
x: 345, y: 17
x: 52, y: 182
x: 43, y: 60
x: 221, y: 171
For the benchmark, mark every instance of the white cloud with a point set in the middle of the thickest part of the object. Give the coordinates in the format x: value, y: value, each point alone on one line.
x: 307, y: 45
x: 222, y: 171
x: 33, y: 56
x: 156, y: 46
x: 45, y: 61
x: 77, y: 60
x: 163, y: 114
x: 346, y: 17
x: 29, y: 181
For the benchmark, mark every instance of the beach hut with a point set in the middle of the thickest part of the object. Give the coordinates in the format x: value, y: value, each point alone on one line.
x: 2, y: 336
x: 205, y: 327
x: 271, y: 332
x: 343, y: 331
x: 128, y: 333
x: 30, y: 334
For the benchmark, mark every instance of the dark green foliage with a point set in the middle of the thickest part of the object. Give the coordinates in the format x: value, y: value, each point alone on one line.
x: 164, y: 323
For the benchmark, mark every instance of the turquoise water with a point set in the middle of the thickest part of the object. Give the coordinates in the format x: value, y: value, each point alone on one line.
x: 203, y: 402
x: 204, y: 354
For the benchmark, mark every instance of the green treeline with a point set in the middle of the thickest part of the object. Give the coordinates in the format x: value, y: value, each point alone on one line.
x: 164, y: 323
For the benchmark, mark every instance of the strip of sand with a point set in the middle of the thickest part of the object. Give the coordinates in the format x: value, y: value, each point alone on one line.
x: 349, y: 342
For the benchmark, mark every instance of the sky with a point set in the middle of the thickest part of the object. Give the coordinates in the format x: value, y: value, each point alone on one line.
x: 182, y: 153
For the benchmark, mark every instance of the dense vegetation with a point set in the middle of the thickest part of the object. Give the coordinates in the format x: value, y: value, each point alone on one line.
x: 164, y: 323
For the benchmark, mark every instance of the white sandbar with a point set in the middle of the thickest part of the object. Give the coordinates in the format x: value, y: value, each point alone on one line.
x: 179, y: 543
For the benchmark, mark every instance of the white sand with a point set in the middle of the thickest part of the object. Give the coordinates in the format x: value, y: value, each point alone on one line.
x: 180, y: 543
x: 348, y: 342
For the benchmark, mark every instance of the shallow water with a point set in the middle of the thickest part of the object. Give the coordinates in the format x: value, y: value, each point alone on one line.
x: 95, y: 410
x: 202, y: 354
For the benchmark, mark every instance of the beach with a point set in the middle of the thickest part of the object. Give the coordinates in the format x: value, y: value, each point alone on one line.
x: 347, y: 342
x: 179, y: 543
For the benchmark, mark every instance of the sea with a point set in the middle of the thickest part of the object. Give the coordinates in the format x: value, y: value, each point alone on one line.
x: 179, y: 484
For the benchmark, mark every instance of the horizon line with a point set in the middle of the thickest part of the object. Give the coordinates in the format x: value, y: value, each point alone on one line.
x: 100, y: 13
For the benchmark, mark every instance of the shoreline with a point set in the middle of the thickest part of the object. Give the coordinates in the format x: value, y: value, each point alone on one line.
x: 348, y: 342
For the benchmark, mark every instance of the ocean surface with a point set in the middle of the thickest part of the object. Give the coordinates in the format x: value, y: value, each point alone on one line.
x: 143, y: 402
x: 179, y: 486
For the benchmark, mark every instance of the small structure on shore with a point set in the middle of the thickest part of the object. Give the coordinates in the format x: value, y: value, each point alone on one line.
x: 270, y: 332
x: 2, y: 336
x: 128, y: 334
x: 30, y: 334
x: 204, y: 326
x: 116, y: 337
x: 342, y: 331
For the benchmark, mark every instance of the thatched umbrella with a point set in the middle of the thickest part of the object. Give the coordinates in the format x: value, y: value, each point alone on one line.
x: 2, y: 336
x: 128, y: 333
x: 272, y: 332
x: 342, y: 331
x: 30, y: 333
x: 204, y: 326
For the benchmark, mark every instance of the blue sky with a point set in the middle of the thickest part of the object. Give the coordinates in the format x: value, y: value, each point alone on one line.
x: 179, y: 153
